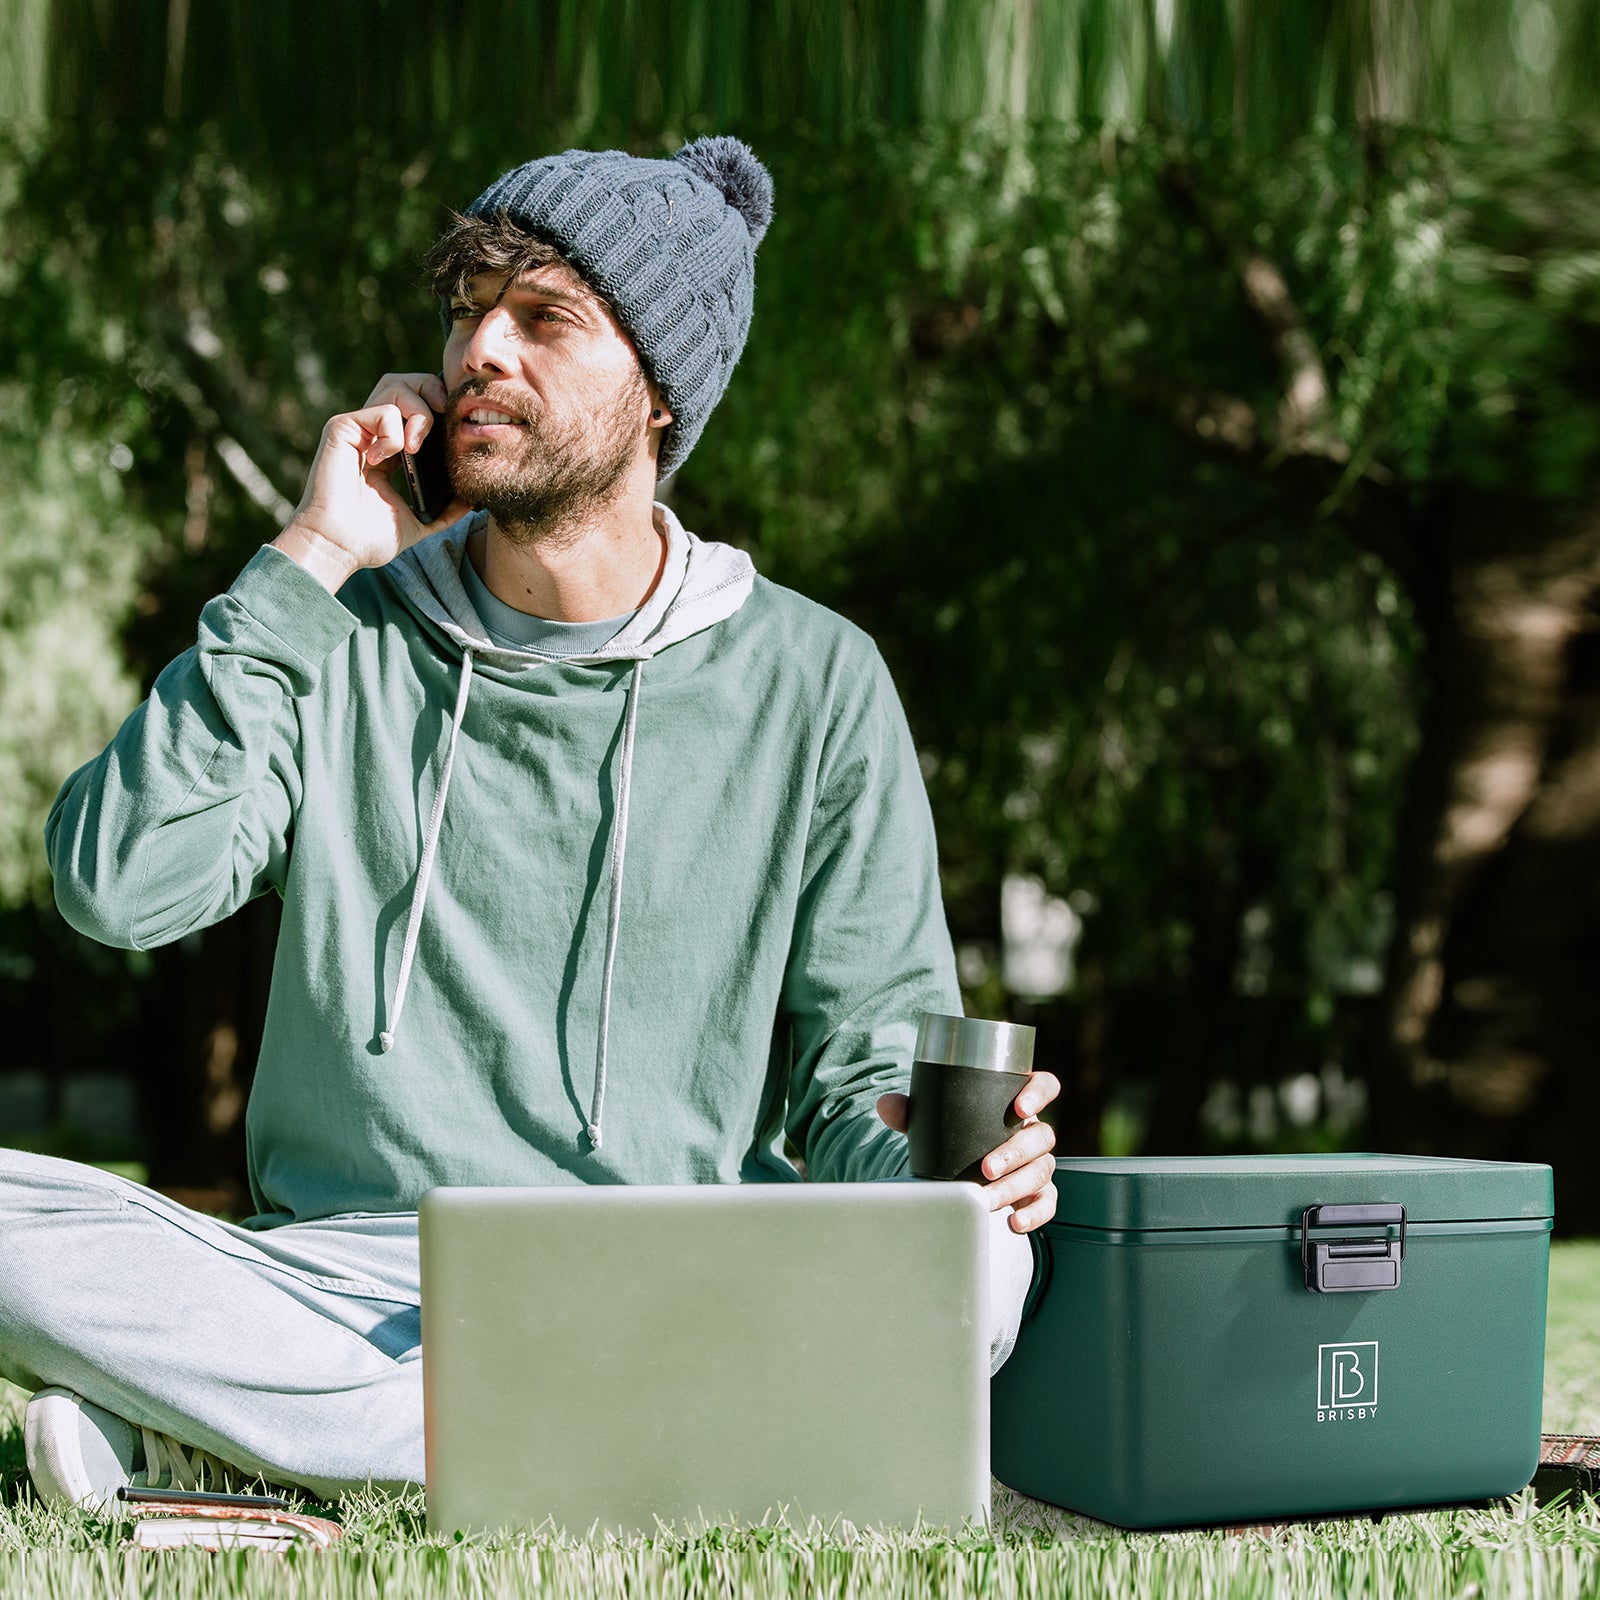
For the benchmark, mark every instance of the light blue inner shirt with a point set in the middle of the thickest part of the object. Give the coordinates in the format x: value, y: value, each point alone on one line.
x: 516, y: 630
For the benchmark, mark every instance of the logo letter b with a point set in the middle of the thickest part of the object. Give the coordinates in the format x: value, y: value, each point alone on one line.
x: 1348, y: 1381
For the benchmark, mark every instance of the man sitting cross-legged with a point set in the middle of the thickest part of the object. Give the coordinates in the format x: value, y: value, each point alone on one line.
x: 602, y: 858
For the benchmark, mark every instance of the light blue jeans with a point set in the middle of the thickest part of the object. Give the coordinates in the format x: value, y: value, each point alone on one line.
x: 293, y: 1352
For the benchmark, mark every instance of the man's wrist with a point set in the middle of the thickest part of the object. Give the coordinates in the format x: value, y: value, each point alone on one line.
x: 330, y: 564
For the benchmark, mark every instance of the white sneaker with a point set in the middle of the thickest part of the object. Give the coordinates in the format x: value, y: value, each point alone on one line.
x: 79, y: 1454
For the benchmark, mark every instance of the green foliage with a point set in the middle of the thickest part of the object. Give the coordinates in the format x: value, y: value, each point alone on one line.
x: 175, y: 346
x: 1267, y: 72
x: 69, y: 558
x: 71, y: 543
x: 1523, y: 232
x: 1133, y: 669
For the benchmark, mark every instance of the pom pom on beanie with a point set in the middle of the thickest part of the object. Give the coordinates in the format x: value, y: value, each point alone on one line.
x: 730, y: 165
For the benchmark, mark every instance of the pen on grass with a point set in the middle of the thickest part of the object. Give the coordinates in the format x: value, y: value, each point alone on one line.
x: 160, y: 1497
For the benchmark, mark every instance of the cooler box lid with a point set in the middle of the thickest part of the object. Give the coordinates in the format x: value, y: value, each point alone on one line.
x: 1139, y: 1193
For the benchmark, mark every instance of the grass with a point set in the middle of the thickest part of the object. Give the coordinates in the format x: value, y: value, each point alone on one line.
x: 1514, y: 1549
x: 1572, y: 1340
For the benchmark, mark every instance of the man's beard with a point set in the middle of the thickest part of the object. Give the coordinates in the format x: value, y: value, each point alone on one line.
x: 557, y: 472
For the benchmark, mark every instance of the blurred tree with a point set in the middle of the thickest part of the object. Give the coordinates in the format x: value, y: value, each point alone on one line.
x: 1212, y: 455
x: 1201, y: 454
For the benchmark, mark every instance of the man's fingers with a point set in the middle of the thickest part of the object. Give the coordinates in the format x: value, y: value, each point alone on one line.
x: 1033, y: 1213
x: 1030, y: 1140
x: 406, y: 406
x: 895, y: 1109
x: 1023, y: 1184
x: 396, y: 388
x: 417, y: 396
x: 1040, y: 1089
x: 376, y: 433
x: 383, y: 446
x: 361, y: 428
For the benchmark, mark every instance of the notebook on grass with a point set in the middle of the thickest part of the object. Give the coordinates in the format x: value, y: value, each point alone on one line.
x: 622, y: 1356
x: 229, y: 1528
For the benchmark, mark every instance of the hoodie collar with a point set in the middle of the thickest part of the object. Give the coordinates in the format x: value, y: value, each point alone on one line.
x: 703, y: 583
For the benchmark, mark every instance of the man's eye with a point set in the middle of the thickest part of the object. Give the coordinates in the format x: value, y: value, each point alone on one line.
x: 458, y: 311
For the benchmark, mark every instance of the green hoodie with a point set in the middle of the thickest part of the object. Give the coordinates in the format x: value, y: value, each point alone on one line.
x: 620, y: 918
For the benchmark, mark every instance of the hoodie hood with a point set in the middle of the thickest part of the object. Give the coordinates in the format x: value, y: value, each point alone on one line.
x: 702, y: 583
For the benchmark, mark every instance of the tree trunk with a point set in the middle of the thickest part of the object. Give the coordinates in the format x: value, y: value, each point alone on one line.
x: 1502, y: 596
x: 1517, y: 1022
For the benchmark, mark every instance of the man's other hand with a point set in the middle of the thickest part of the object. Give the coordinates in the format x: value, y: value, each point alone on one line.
x: 1021, y: 1172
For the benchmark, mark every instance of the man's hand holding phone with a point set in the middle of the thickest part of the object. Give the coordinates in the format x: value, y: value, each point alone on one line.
x: 350, y: 515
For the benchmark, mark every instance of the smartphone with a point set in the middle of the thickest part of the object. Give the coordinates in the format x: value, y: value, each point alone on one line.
x: 428, y: 475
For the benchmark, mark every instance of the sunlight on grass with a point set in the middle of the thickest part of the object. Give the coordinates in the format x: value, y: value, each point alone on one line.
x: 1512, y: 1549
x: 1514, y: 1552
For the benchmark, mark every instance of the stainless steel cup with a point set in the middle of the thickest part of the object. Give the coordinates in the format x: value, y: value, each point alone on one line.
x: 966, y: 1074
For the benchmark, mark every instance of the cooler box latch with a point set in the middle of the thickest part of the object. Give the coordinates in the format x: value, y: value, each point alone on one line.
x: 1352, y: 1266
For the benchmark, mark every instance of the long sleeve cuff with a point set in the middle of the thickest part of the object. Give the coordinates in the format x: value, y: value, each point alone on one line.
x: 280, y: 595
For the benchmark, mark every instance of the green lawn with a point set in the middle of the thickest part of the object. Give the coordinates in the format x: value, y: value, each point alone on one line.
x: 1515, y: 1549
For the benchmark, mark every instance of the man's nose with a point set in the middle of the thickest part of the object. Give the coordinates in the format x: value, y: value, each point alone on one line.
x: 494, y: 343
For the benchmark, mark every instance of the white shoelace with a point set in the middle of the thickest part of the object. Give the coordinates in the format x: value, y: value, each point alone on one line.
x: 181, y: 1465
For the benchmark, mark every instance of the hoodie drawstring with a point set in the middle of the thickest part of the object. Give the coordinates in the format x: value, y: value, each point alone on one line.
x: 619, y: 846
x: 425, y: 870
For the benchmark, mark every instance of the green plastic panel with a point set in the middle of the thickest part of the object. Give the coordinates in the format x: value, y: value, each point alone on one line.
x: 1136, y: 1192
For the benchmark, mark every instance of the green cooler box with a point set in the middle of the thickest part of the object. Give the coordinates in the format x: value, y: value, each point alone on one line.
x: 1235, y: 1338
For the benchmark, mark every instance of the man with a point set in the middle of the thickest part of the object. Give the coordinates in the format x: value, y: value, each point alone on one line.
x: 602, y: 859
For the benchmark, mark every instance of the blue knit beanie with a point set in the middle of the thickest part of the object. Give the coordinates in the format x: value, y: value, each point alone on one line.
x: 670, y: 244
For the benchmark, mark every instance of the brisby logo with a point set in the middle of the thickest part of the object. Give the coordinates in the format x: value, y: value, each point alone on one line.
x: 1347, y: 1382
